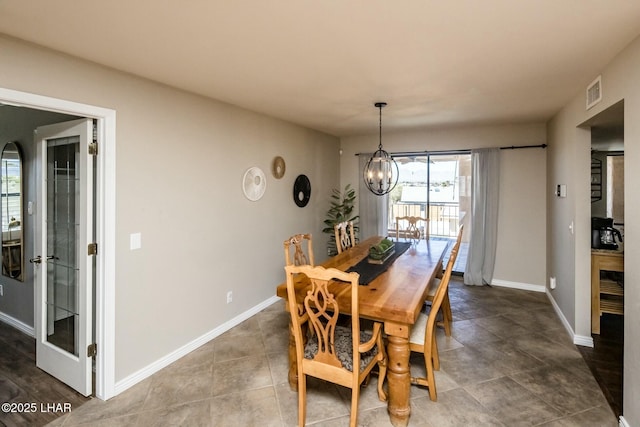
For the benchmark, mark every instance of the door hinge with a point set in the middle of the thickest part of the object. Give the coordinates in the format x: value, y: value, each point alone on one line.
x: 92, y: 249
x: 92, y: 350
x: 93, y: 149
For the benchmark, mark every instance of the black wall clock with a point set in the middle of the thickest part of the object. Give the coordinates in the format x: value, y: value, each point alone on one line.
x: 301, y: 191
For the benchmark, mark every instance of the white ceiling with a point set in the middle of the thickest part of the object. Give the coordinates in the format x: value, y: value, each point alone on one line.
x: 322, y: 64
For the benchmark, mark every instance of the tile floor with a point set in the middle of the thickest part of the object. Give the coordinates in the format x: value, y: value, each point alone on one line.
x: 509, y: 363
x: 21, y: 382
x: 606, y: 359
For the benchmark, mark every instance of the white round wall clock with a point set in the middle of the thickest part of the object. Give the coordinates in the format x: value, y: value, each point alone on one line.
x: 254, y: 183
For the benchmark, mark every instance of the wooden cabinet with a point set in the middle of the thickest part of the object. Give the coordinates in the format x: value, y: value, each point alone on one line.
x: 607, y: 296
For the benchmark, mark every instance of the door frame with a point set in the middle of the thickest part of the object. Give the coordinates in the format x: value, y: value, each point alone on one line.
x: 105, y: 216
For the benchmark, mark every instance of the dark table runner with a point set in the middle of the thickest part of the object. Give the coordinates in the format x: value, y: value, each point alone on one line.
x: 368, y: 272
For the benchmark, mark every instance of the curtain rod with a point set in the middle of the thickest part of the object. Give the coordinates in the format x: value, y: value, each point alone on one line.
x: 465, y: 151
x: 515, y: 147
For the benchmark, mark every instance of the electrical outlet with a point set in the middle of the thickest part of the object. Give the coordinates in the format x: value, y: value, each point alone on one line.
x: 229, y: 297
x: 552, y: 282
x: 1, y: 291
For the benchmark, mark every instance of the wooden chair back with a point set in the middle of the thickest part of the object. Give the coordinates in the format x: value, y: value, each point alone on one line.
x: 456, y: 246
x: 447, y: 316
x: 423, y: 335
x: 345, y: 237
x: 331, y: 352
x: 299, y: 256
x: 416, y: 227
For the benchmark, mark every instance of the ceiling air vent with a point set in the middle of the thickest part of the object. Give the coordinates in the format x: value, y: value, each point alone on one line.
x: 594, y: 92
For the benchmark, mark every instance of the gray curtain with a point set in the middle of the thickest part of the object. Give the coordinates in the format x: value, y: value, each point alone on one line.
x: 485, y: 177
x: 373, y: 210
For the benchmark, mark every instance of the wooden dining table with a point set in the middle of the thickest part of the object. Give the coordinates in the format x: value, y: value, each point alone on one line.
x: 395, y: 299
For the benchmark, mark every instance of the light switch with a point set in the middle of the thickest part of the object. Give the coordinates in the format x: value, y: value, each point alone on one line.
x: 135, y: 241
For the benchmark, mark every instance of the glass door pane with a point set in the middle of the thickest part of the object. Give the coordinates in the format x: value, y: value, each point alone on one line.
x: 445, y: 192
x: 62, y: 249
x: 410, y: 197
x: 437, y: 186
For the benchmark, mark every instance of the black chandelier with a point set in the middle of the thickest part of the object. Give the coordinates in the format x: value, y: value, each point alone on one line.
x: 381, y: 171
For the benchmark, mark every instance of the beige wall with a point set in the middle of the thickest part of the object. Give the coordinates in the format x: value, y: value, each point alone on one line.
x: 569, y: 255
x: 522, y: 186
x: 180, y: 161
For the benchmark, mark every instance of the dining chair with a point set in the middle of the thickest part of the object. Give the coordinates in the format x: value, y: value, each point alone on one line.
x: 423, y: 334
x: 344, y: 355
x: 447, y: 316
x: 412, y: 230
x: 345, y: 238
x: 300, y: 257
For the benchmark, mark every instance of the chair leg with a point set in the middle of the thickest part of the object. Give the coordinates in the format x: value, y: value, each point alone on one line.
x: 428, y: 362
x: 382, y: 373
x: 434, y: 354
x: 355, y: 396
x: 447, y: 318
x: 302, y: 399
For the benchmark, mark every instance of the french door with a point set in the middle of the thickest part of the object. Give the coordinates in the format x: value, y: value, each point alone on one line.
x: 63, y: 264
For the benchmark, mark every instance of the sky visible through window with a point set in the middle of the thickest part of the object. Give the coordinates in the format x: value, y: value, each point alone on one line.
x: 414, y: 175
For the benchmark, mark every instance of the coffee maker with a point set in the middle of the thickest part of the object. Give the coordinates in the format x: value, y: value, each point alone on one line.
x: 603, y: 235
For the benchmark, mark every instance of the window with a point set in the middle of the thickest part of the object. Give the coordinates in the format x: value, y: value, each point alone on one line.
x: 12, y: 214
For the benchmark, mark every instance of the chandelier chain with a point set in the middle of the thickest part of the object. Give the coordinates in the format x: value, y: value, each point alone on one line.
x: 380, y: 105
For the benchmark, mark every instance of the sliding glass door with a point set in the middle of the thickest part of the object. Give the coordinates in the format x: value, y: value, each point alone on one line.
x: 434, y: 186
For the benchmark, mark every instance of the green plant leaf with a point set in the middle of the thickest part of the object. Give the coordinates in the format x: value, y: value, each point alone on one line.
x: 342, y: 204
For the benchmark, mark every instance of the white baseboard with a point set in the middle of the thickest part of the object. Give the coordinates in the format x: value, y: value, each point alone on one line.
x: 518, y: 285
x: 12, y: 321
x: 165, y: 361
x: 623, y: 423
x: 585, y: 341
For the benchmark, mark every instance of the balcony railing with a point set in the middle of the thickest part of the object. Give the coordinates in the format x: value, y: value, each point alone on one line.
x: 444, y: 217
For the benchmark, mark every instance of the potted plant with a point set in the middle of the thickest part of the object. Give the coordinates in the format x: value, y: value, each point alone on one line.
x: 342, y: 205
